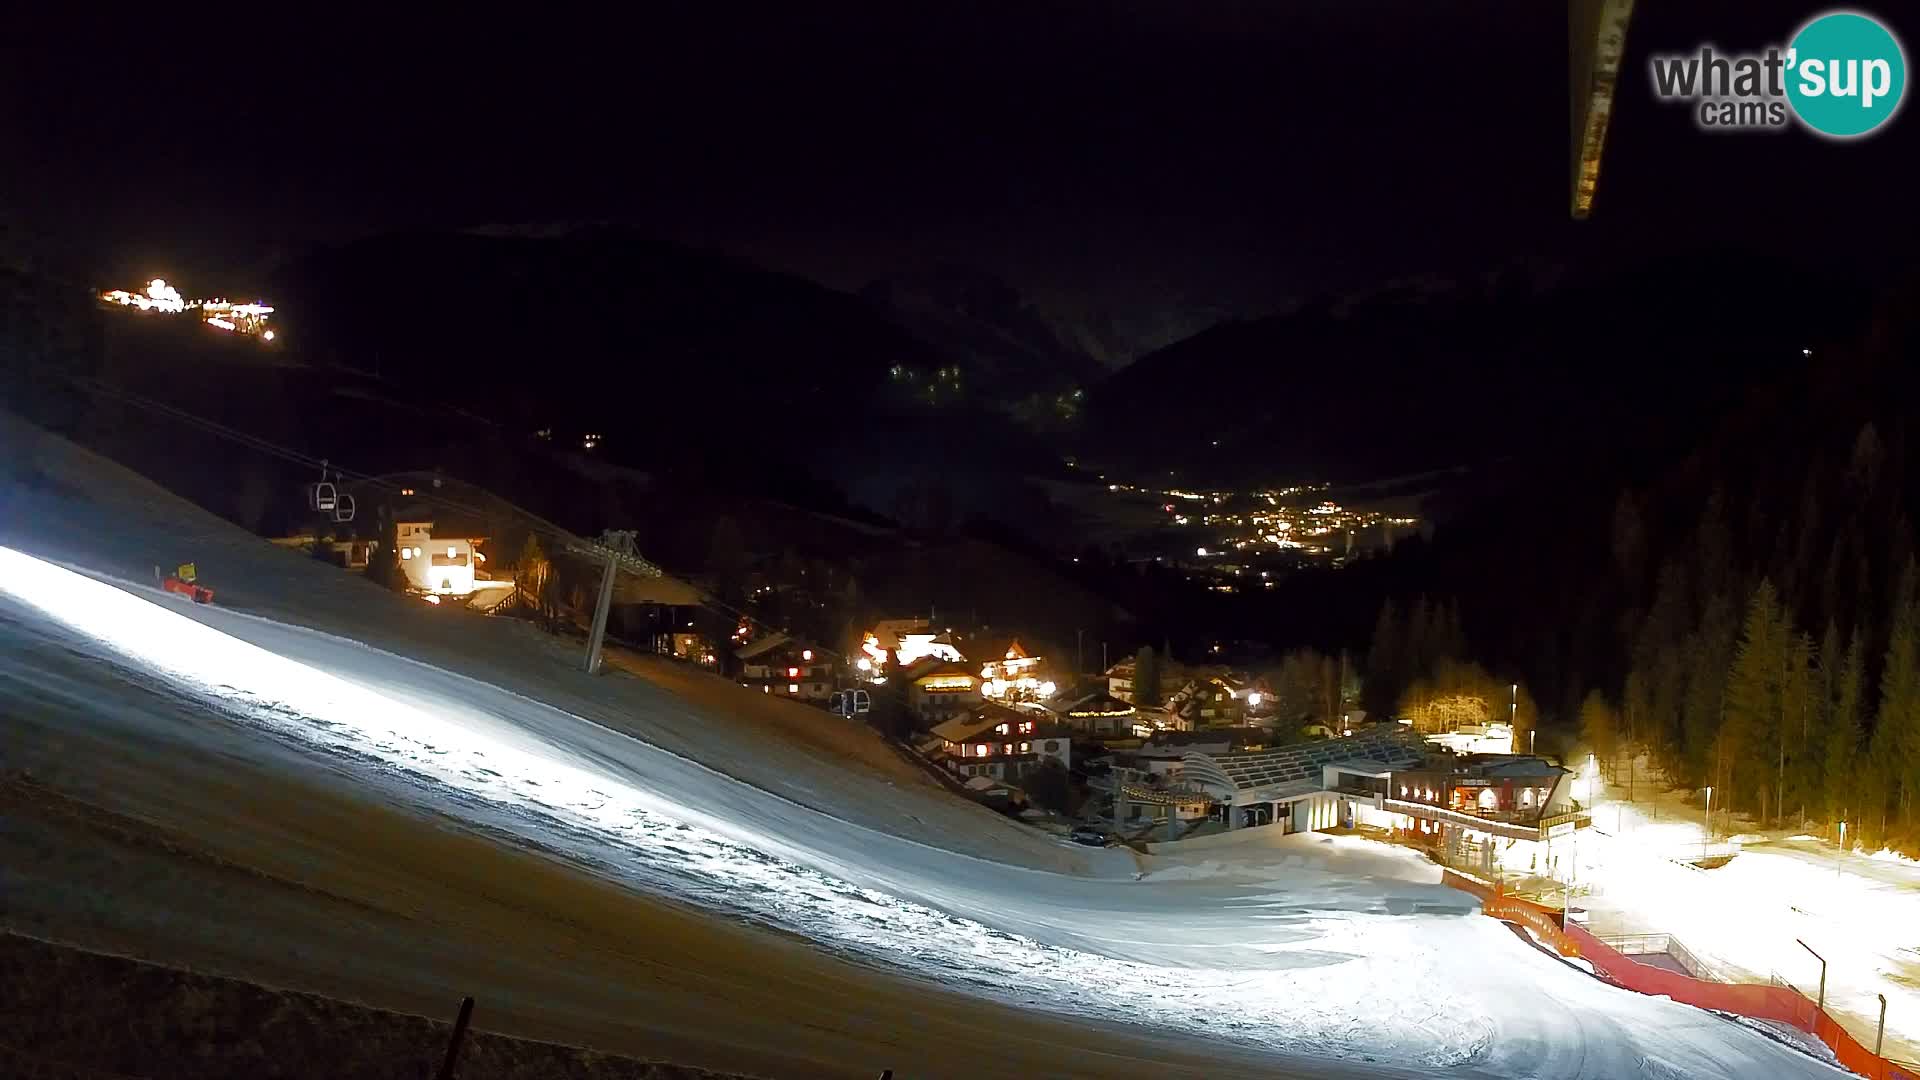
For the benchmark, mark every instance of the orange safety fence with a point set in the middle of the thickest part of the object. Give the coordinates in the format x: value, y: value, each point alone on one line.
x: 1764, y: 1002
x: 1544, y: 923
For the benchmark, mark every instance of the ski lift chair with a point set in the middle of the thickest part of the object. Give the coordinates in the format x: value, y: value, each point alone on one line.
x: 322, y: 497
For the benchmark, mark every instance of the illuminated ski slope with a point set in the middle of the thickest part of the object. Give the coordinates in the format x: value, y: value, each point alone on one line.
x: 1327, y: 949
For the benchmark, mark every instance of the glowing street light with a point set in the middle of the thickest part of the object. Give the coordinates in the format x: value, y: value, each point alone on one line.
x: 1709, y: 833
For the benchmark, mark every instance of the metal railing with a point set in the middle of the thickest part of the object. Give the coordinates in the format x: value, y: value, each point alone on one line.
x: 1663, y: 945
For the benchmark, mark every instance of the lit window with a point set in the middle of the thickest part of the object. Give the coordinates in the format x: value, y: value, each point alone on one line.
x: 1025, y: 747
x: 980, y: 750
x: 793, y: 672
x: 793, y: 688
x: 1002, y: 729
x: 406, y: 553
x: 1006, y: 748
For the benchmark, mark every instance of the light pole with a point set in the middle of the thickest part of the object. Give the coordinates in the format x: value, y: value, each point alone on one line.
x: 1709, y: 833
x: 1880, y: 1036
x: 1823, y: 972
x: 1513, y: 713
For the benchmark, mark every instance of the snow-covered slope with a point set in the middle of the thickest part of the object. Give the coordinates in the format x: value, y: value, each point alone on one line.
x: 1319, y: 955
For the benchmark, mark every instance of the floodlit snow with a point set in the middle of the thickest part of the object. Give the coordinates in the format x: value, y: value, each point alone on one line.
x: 1745, y: 919
x: 1299, y: 945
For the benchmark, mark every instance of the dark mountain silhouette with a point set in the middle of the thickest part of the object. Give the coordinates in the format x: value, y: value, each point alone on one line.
x: 600, y: 328
x: 1800, y: 477
x: 1008, y: 354
x: 1524, y: 362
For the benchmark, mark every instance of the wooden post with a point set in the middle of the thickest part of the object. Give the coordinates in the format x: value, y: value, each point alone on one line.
x: 600, y: 615
x: 459, y: 1035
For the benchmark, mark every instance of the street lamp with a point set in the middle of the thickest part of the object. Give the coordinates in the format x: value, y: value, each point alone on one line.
x: 1823, y: 972
x: 1841, y: 851
x: 1709, y: 833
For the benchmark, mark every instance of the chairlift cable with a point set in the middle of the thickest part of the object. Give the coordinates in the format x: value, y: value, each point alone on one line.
x: 273, y: 449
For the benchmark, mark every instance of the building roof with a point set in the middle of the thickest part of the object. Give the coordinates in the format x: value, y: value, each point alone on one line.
x: 1162, y: 796
x: 1288, y: 767
x: 933, y: 665
x: 1099, y: 703
x: 1514, y: 765
x: 762, y: 646
x: 1227, y: 737
x: 978, y: 722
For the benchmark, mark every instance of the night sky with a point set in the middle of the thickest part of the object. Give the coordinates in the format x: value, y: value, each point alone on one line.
x: 1108, y: 154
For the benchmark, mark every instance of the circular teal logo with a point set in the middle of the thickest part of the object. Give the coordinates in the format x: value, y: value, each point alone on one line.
x: 1846, y: 74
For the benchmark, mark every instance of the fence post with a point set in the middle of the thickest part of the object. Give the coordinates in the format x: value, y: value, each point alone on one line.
x: 1880, y: 1035
x: 459, y: 1034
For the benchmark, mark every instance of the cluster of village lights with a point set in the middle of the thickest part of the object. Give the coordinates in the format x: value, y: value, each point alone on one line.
x: 164, y: 298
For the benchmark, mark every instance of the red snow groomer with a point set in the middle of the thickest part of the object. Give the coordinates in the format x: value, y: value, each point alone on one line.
x: 185, y: 581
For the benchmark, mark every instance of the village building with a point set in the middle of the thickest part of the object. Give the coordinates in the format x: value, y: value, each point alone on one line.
x: 1485, y: 812
x: 993, y: 740
x: 939, y: 690
x: 1015, y: 676
x: 1100, y: 714
x: 1206, y: 701
x: 779, y: 664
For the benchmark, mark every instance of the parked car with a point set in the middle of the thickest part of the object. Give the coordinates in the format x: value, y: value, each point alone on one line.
x: 1088, y: 835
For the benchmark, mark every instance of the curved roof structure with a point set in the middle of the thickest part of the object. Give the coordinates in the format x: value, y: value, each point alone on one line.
x: 1285, y: 771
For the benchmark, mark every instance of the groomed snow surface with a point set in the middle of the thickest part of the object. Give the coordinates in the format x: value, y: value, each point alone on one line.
x: 1270, y: 955
x: 1298, y: 945
x: 1746, y: 919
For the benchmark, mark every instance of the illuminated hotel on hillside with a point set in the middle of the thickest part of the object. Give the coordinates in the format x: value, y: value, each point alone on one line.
x: 250, y: 319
